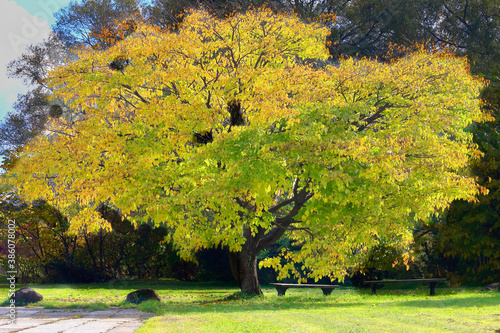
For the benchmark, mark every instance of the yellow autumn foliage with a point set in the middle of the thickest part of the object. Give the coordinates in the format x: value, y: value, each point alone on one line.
x: 347, y: 152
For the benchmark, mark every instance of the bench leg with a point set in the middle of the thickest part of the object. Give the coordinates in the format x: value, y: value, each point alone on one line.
x: 327, y: 291
x: 374, y: 289
x: 432, y: 285
x: 281, y: 290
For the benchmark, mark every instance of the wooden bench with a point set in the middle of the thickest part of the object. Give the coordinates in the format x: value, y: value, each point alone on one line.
x: 432, y: 283
x: 282, y: 287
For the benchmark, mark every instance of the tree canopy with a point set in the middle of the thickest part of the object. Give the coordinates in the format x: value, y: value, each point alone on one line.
x: 236, y: 132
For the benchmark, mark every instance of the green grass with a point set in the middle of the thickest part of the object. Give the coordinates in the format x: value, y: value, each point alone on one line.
x: 205, y: 307
x: 113, y: 293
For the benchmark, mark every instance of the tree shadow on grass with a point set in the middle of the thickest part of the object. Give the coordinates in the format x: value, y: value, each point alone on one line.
x: 238, y: 302
x: 455, y: 302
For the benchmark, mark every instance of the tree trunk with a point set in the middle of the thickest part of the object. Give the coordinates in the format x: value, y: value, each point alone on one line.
x: 91, y: 253
x: 101, y: 254
x: 244, y: 266
x: 244, y: 269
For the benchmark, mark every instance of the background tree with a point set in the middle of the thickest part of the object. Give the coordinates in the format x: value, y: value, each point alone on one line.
x: 475, y: 227
x: 335, y: 157
x: 168, y: 14
x: 27, y: 122
x: 41, y: 237
x: 86, y: 23
x: 368, y: 28
x: 471, y: 28
x: 33, y: 110
x: 51, y: 253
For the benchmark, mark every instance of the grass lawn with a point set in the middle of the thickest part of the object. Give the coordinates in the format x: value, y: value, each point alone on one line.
x: 203, y: 307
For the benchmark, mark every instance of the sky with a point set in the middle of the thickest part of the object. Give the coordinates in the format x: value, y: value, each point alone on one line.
x: 23, y: 23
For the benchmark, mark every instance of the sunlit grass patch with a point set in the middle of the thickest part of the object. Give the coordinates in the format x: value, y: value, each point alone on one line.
x: 346, y: 310
x: 113, y: 293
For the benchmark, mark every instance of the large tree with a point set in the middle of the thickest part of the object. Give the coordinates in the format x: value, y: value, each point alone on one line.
x: 237, y: 132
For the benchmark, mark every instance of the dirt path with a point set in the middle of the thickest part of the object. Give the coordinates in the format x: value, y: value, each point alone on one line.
x: 40, y: 320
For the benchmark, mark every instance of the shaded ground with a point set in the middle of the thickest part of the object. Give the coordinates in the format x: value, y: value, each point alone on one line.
x: 40, y: 320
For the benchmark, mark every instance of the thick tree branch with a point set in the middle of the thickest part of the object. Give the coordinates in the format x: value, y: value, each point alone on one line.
x: 277, y: 207
x: 292, y: 228
x: 462, y: 20
x: 371, y: 119
x: 135, y: 93
x: 283, y: 224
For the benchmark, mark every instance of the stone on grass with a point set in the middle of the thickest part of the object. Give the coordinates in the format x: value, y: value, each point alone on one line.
x: 493, y: 286
x: 142, y: 295
x: 26, y: 295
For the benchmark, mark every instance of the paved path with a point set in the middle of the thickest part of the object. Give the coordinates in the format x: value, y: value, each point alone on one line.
x: 40, y: 320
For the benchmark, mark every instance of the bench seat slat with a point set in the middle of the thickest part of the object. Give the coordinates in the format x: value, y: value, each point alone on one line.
x: 305, y: 285
x: 432, y: 283
x: 282, y: 287
x: 409, y: 280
